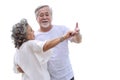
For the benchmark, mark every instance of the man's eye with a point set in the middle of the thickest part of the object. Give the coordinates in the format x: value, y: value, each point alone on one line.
x: 41, y: 15
x: 47, y: 14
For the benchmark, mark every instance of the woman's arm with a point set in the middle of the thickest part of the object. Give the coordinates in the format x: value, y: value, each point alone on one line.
x: 51, y: 43
x: 77, y: 38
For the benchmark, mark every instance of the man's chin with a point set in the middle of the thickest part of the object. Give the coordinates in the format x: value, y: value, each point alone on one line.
x: 45, y: 26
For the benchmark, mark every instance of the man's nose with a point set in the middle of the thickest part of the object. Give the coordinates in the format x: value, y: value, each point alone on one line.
x: 44, y: 16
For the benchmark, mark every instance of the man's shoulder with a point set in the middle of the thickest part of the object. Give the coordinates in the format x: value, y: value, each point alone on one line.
x: 60, y: 27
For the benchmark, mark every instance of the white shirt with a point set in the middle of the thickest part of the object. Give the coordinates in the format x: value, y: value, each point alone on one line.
x: 33, y: 61
x: 59, y: 64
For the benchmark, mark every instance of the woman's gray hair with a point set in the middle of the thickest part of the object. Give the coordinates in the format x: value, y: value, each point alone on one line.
x: 19, y: 32
x: 40, y: 7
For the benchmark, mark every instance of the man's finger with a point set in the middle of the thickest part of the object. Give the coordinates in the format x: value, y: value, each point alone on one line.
x: 76, y: 24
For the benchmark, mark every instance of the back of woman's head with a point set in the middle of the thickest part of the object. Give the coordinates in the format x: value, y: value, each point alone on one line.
x: 19, y: 32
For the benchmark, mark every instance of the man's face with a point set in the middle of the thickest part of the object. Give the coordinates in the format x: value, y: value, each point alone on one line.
x: 44, y: 17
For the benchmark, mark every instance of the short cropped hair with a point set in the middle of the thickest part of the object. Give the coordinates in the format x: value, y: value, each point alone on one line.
x: 40, y: 7
x: 19, y: 32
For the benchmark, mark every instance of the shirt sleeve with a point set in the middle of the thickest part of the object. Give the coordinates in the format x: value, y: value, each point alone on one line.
x: 42, y: 56
x: 15, y: 66
x: 37, y: 46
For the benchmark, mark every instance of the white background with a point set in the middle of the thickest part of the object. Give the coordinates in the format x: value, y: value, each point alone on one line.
x: 96, y: 58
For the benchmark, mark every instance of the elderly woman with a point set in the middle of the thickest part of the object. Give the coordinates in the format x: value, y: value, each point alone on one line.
x: 32, y: 55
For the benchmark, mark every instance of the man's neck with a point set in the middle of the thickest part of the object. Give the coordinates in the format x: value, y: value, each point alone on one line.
x: 45, y: 29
